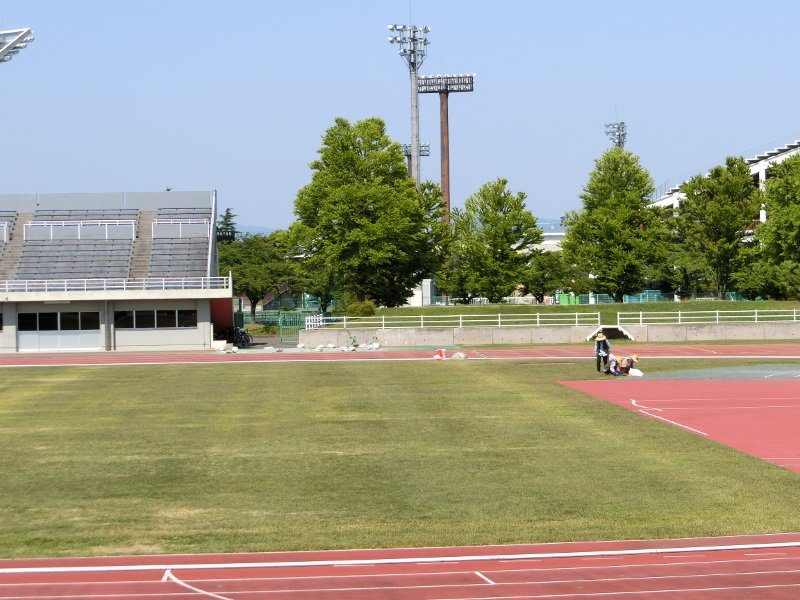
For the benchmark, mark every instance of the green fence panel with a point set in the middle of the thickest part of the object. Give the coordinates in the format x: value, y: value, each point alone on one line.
x: 290, y: 323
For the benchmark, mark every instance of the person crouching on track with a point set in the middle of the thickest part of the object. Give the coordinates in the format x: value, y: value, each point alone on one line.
x: 617, y: 366
x: 602, y: 348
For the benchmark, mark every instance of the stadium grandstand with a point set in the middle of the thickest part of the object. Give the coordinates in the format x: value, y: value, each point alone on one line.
x: 111, y: 271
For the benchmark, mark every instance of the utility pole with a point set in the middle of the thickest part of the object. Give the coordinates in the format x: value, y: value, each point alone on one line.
x: 412, y: 42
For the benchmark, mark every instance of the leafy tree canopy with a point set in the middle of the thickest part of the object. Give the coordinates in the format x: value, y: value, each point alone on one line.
x: 260, y: 265
x: 715, y: 217
x: 617, y: 238
x: 364, y: 218
x: 492, y: 239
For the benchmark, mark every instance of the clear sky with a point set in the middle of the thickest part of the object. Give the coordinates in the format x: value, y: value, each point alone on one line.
x: 235, y: 95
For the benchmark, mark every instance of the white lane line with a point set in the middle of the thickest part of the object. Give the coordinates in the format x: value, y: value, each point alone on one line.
x: 484, y: 577
x: 641, y: 406
x: 168, y: 576
x: 620, y: 593
x: 709, y: 350
x: 644, y: 412
x: 394, y: 561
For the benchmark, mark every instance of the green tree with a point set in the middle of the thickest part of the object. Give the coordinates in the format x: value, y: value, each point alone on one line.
x: 226, y: 226
x: 364, y: 218
x: 260, y: 265
x: 779, y: 236
x: 314, y: 277
x: 715, y: 218
x: 617, y: 240
x: 493, y: 237
x: 545, y: 274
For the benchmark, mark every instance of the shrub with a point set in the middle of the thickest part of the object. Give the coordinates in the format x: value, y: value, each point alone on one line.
x: 361, y: 309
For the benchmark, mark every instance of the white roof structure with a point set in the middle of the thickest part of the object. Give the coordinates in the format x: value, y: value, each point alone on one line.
x: 12, y: 41
x: 759, y: 167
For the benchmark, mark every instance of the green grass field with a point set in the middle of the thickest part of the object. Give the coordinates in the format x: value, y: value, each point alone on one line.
x: 235, y: 457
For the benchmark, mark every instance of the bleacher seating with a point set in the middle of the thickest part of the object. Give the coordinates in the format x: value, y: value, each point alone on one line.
x: 183, y: 213
x: 7, y: 218
x: 74, y: 259
x: 83, y: 214
x: 179, y: 257
x: 73, y: 243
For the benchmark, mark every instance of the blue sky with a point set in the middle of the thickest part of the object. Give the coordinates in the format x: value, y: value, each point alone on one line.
x: 235, y: 95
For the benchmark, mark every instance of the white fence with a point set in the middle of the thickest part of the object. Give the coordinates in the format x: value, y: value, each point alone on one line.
x: 468, y: 320
x: 706, y: 316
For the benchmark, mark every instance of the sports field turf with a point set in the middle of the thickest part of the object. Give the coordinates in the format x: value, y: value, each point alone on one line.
x: 236, y: 457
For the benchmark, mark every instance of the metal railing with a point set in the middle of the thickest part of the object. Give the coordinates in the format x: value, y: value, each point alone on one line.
x: 76, y: 227
x: 468, y: 320
x: 194, y: 225
x: 706, y: 316
x: 107, y: 285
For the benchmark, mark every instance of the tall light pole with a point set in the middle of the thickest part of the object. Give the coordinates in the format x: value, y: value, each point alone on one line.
x: 443, y: 85
x: 412, y: 42
x: 12, y: 41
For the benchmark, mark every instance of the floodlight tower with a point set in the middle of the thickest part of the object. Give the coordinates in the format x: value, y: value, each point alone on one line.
x: 12, y: 41
x: 424, y: 150
x: 616, y: 133
x: 412, y: 43
x: 443, y: 85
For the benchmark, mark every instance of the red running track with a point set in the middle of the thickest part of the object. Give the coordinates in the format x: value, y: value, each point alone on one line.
x: 740, y: 568
x: 572, y: 351
x: 760, y: 417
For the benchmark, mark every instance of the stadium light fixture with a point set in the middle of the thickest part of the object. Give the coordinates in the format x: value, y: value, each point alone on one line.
x: 412, y: 41
x: 617, y: 133
x: 12, y: 41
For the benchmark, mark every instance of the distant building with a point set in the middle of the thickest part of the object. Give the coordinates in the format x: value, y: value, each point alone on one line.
x: 759, y: 169
x: 553, y: 233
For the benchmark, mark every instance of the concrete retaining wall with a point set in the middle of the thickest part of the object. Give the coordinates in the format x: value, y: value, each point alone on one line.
x: 485, y: 336
x: 713, y: 332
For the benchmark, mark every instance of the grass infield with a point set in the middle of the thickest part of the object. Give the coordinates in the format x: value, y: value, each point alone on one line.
x: 234, y: 458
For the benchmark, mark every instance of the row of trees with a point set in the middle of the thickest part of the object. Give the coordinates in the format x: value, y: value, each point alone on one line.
x: 366, y: 232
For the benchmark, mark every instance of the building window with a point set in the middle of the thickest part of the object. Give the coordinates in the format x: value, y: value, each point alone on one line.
x: 187, y: 318
x: 123, y: 319
x: 27, y: 322
x: 165, y: 318
x: 149, y: 319
x: 70, y: 321
x: 48, y: 321
x: 145, y: 319
x: 90, y: 321
x: 53, y: 321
